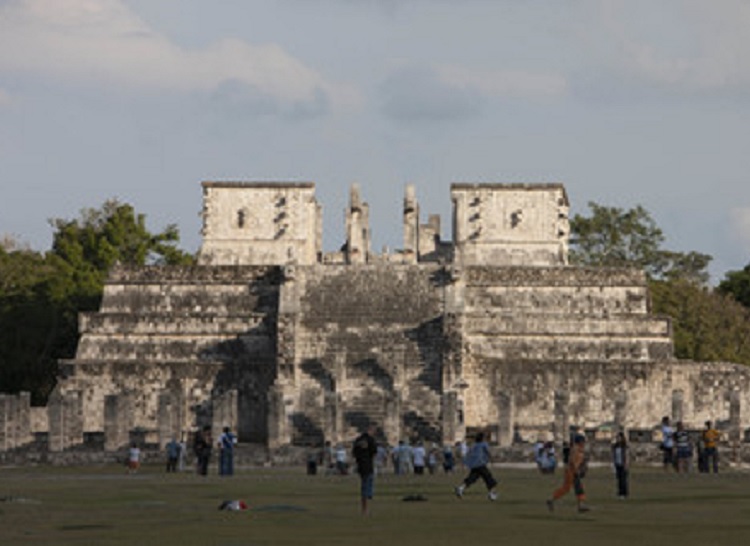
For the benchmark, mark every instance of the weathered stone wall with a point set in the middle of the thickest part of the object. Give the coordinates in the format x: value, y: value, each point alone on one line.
x: 510, y: 224
x: 544, y: 397
x: 172, y: 349
x: 367, y: 348
x: 260, y: 224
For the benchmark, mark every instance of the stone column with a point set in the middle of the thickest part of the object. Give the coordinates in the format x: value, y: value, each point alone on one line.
x: 278, y: 426
x: 411, y: 226
x: 506, y: 418
x: 224, y: 412
x: 451, y: 425
x: 116, y: 421
x: 735, y: 424
x: 4, y: 443
x: 621, y: 409
x: 392, y: 424
x: 561, y: 427
x: 167, y: 419
x: 677, y: 405
x: 65, y: 411
x: 330, y: 417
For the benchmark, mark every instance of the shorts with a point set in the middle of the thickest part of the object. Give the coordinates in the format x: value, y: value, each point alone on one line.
x: 668, y: 458
x: 684, y: 453
x: 367, y: 485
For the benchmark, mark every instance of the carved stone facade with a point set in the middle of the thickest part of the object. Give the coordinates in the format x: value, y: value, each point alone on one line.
x: 287, y: 345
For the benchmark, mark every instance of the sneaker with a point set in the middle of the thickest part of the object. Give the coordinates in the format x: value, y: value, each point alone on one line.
x: 459, y: 492
x: 492, y: 496
x: 583, y: 508
x: 550, y: 505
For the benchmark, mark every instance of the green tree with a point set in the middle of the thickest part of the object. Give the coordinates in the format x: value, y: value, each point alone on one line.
x: 31, y: 322
x: 707, y: 325
x: 41, y: 295
x: 737, y: 285
x: 614, y: 237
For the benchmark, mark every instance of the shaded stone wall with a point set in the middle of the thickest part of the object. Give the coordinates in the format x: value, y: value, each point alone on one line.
x: 367, y: 348
x: 172, y: 349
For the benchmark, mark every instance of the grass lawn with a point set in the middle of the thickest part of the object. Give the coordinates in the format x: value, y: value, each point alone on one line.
x: 103, y: 505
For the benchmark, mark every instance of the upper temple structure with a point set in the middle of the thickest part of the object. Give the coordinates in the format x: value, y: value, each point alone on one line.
x: 268, y: 334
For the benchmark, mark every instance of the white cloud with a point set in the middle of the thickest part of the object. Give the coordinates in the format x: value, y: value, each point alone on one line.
x: 103, y: 42
x: 684, y: 45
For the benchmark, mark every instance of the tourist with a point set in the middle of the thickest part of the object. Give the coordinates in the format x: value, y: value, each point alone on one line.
x: 667, y: 444
x: 419, y: 456
x: 226, y: 444
x: 548, y: 459
x: 463, y: 450
x: 364, y: 451
x: 182, y: 461
x: 342, y: 465
x: 432, y: 458
x: 449, y: 460
x: 202, y: 449
x: 574, y: 473
x: 329, y: 458
x: 710, y: 439
x: 538, y: 451
x: 314, y: 457
x: 381, y: 459
x: 404, y: 458
x: 476, y: 460
x: 134, y: 459
x: 621, y: 462
x: 684, y: 448
x: 173, y: 454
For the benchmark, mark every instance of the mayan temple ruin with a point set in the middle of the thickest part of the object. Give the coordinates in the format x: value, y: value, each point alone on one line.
x: 290, y: 345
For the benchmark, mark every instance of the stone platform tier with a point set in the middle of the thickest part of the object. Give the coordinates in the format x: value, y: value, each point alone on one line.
x: 173, y: 348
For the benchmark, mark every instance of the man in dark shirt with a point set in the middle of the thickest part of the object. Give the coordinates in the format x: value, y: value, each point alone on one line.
x: 364, y: 451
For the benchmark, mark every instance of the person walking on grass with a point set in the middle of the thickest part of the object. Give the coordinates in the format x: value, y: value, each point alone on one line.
x: 364, y: 451
x: 574, y: 473
x: 621, y: 462
x: 476, y: 460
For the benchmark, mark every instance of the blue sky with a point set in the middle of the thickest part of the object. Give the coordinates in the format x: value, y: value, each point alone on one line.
x: 624, y: 101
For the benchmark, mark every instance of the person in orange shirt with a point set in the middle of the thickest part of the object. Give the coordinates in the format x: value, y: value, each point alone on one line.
x: 710, y: 438
x: 574, y: 473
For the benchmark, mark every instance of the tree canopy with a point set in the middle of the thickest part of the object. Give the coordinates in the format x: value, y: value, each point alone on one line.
x: 41, y: 294
x: 615, y: 237
x: 707, y: 324
x: 737, y: 285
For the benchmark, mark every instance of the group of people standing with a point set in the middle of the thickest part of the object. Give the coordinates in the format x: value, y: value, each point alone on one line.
x: 203, y: 446
x: 677, y: 448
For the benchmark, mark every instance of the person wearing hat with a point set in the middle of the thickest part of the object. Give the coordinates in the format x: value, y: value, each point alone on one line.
x: 574, y: 473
